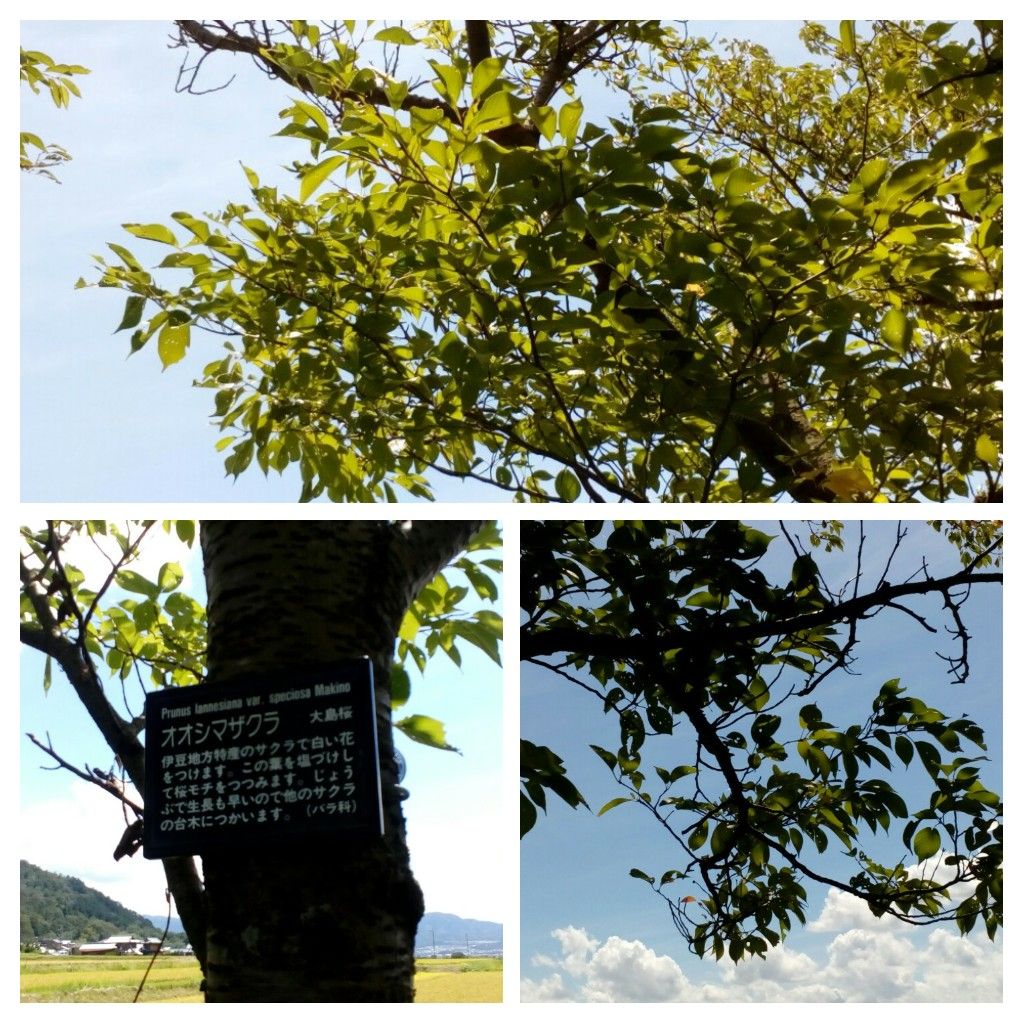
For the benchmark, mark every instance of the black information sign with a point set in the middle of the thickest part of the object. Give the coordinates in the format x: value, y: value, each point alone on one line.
x: 268, y: 759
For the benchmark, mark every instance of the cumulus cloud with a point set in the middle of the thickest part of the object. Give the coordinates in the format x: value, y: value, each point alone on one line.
x: 614, y: 971
x: 577, y: 947
x: 842, y: 911
x: 624, y: 971
x: 887, y: 961
x: 785, y: 975
x: 552, y: 989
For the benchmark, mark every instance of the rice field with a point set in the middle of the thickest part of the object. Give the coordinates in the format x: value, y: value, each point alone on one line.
x: 175, y: 979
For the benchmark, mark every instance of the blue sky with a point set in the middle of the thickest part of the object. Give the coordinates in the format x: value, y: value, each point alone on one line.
x: 590, y: 932
x: 97, y: 426
x: 450, y: 795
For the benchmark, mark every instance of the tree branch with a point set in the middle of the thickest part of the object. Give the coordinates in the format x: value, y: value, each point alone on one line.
x: 478, y: 41
x: 539, y: 643
x: 105, y: 781
x: 80, y: 672
x: 427, y: 546
x: 993, y: 66
x: 232, y: 42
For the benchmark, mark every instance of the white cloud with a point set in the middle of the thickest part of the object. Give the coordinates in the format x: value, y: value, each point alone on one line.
x: 871, y: 965
x: 552, y: 989
x: 954, y: 970
x: 624, y: 971
x: 843, y: 911
x: 615, y: 971
x: 785, y: 975
x: 577, y: 947
x: 890, y: 961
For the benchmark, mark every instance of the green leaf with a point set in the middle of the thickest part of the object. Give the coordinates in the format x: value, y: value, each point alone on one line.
x: 129, y: 260
x: 48, y: 674
x: 904, y: 749
x: 495, y: 112
x: 154, y: 232
x: 546, y: 121
x: 128, y: 579
x: 657, y: 141
x: 425, y: 730
x: 637, y: 873
x: 698, y: 837
x: 132, y: 312
x: 172, y: 343
x: 186, y: 530
x: 569, y: 120
x: 450, y: 81
x: 847, y: 37
x: 396, y: 34
x: 740, y: 182
x: 409, y: 628
x: 660, y: 719
x: 317, y: 175
x: 170, y: 576
x: 315, y: 114
x: 896, y: 330
x: 567, y: 486
x: 614, y: 803
x: 527, y: 815
x: 757, y: 694
x: 721, y: 837
x: 400, y: 685
x: 872, y: 174
x: 484, y: 75
x: 927, y: 843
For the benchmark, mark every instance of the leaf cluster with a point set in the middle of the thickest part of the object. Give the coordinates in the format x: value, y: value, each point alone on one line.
x: 41, y: 72
x: 750, y: 281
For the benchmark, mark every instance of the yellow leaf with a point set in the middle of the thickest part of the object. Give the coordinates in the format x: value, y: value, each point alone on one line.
x: 846, y: 482
x: 986, y: 450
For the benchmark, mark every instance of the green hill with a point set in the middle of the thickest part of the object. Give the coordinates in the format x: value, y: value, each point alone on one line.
x: 61, y: 907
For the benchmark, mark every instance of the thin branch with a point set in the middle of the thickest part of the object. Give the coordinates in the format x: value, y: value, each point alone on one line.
x: 104, y: 780
x: 587, y: 642
x: 993, y: 66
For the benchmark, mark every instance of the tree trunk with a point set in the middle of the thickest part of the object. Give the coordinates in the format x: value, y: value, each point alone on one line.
x: 323, y: 920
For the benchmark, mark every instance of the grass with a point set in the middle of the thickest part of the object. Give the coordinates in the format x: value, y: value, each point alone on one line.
x: 469, y: 980
x: 175, y: 979
x: 107, y: 979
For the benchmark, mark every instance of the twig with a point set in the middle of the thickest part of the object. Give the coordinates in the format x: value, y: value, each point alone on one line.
x: 97, y: 777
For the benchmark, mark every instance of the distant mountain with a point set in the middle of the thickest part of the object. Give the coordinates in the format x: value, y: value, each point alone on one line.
x: 448, y: 933
x: 160, y: 920
x: 62, y: 907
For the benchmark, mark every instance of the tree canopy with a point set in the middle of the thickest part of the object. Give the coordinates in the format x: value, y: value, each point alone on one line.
x: 603, y: 260
x: 720, y: 674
